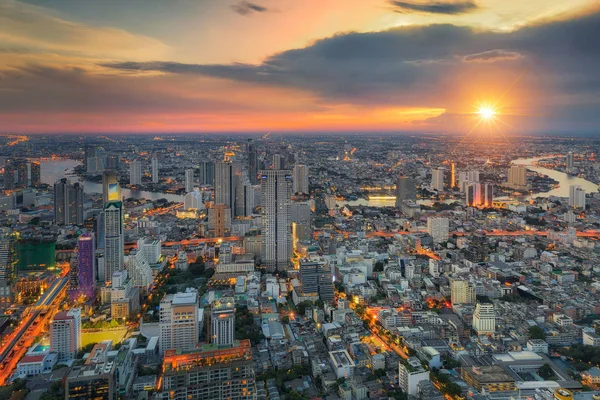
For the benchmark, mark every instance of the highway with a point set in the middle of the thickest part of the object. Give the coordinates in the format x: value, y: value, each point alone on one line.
x: 31, y: 326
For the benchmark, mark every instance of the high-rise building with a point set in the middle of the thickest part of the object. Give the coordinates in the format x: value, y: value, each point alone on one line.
x: 114, y: 241
x: 278, y: 161
x: 222, y: 322
x: 487, y: 190
x: 209, y: 373
x: 276, y: 188
x: 180, y: 321
x: 6, y: 255
x: 68, y: 203
x: 113, y: 162
x: 570, y: 161
x: 300, y: 179
x: 484, y: 318
x: 517, y: 176
x: 437, y: 179
x: 410, y: 373
x: 316, y: 277
x: 252, y: 162
x: 151, y: 248
x: 473, y: 194
x: 65, y: 334
x: 193, y: 201
x: 111, y: 190
x: 462, y: 292
x: 36, y: 174
x: 207, y: 173
x: 88, y: 153
x: 576, y: 196
x: 155, y: 177
x: 227, y: 176
x: 139, y: 269
x: 405, y: 190
x: 9, y: 175
x: 452, y: 175
x: 135, y: 172
x: 219, y: 220
x: 189, y: 180
x: 82, y: 280
x: 437, y: 227
x: 473, y: 176
x: 245, y: 198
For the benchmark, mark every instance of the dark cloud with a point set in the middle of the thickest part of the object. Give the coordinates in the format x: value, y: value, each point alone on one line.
x: 435, y: 7
x: 246, y: 8
x: 492, y: 56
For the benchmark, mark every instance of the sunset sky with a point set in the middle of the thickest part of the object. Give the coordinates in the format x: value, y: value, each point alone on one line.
x: 298, y: 65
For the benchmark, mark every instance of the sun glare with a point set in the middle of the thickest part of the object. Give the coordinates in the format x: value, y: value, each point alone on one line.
x: 486, y: 112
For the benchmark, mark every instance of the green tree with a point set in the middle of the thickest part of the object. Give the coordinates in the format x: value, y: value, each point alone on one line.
x: 546, y: 372
x: 535, y: 332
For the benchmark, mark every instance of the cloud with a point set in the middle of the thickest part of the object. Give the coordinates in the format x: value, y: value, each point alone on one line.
x: 492, y: 56
x: 246, y: 8
x: 435, y: 7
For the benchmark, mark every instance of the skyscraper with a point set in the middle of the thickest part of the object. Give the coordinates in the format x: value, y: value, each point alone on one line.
x: 9, y: 175
x: 189, y: 180
x: 36, y: 174
x: 83, y: 269
x: 222, y: 322
x: 484, y: 318
x: 576, y: 196
x: 113, y: 238
x: 570, y: 161
x: 473, y: 194
x: 278, y: 161
x: 452, y: 175
x: 252, y: 162
x: 219, y: 220
x: 437, y: 227
x: 315, y: 277
x: 405, y: 190
x: 154, y: 170
x: 517, y: 176
x: 111, y: 190
x: 135, y: 172
x: 487, y: 190
x: 65, y: 334
x: 227, y: 175
x: 300, y: 179
x: 437, y: 179
x: 207, y: 173
x: 462, y: 291
x: 180, y: 321
x: 68, y: 203
x: 276, y: 188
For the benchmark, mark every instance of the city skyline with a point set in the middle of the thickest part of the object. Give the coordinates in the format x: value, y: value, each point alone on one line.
x: 370, y: 66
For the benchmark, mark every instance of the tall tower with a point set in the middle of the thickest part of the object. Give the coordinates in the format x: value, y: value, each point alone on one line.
x: 437, y: 179
x: 68, y: 203
x: 111, y: 190
x: 517, y: 176
x: 207, y: 173
x: 135, y: 172
x: 65, y: 334
x: 473, y: 194
x: 452, y: 175
x: 227, y: 176
x: 222, y: 322
x: 275, y: 191
x: 484, y: 318
x: 252, y: 162
x: 437, y: 227
x: 405, y: 190
x: 487, y: 190
x: 83, y: 269
x: 36, y: 174
x: 300, y: 174
x: 570, y: 162
x: 113, y: 239
x: 576, y: 196
x: 154, y: 170
x: 189, y: 180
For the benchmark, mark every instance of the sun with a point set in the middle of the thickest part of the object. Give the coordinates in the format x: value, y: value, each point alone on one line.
x: 486, y: 112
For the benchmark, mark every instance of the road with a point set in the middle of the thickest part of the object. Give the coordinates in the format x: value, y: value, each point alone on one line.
x: 30, y: 328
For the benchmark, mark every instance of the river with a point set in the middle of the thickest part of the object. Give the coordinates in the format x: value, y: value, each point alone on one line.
x: 51, y: 171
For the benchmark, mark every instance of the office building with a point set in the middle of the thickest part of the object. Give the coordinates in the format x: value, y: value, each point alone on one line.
x: 189, y: 180
x: 462, y: 292
x: 6, y: 255
x: 252, y: 162
x: 95, y: 379
x: 113, y: 162
x: 209, y: 372
x: 68, y: 203
x: 82, y: 279
x: 207, y: 173
x: 410, y: 374
x: 570, y: 161
x: 154, y: 165
x: 36, y: 174
x: 300, y: 179
x: 139, y: 269
x: 316, y: 277
x: 473, y: 194
x: 123, y: 296
x: 452, y: 175
x: 65, y: 334
x: 278, y: 161
x: 227, y: 177
x: 9, y: 176
x: 484, y: 318
x: 473, y: 176
x: 193, y: 200
x: 437, y: 179
x: 135, y: 172
x: 342, y: 364
x: 517, y: 176
x: 576, y: 196
x: 487, y: 194
x: 405, y: 190
x: 180, y: 321
x: 219, y: 220
x: 151, y: 248
x: 245, y: 198
x: 114, y: 241
x: 222, y: 322
x: 438, y: 228
x: 276, y: 188
x: 111, y: 189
